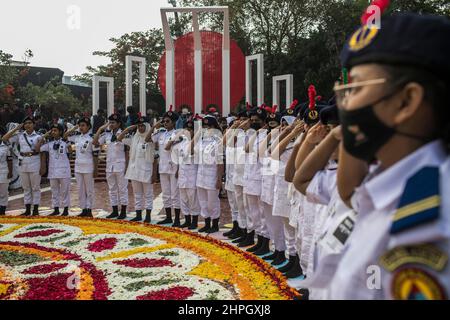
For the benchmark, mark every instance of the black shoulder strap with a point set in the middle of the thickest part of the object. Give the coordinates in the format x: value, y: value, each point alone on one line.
x: 28, y: 142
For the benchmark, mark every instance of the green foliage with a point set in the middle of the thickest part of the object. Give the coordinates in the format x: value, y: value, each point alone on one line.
x: 56, y: 97
x: 148, y: 44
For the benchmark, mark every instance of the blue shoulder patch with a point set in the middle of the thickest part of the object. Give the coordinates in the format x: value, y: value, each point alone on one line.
x: 420, y: 202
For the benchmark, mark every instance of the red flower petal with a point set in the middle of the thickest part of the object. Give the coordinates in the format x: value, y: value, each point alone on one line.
x: 44, y: 269
x: 102, y: 245
x: 176, y: 293
x: 34, y: 234
x: 145, y: 263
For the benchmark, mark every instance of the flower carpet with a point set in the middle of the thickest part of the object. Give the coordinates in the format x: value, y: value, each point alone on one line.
x: 45, y: 258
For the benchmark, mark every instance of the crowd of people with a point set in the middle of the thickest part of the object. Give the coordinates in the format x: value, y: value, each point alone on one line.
x: 348, y: 198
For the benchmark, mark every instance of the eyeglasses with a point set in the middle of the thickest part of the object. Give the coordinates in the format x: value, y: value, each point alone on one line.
x: 344, y: 91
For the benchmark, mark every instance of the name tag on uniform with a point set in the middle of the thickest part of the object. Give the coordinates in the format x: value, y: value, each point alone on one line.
x: 335, y: 240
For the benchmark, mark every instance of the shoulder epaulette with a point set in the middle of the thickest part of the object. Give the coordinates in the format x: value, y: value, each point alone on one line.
x: 420, y: 202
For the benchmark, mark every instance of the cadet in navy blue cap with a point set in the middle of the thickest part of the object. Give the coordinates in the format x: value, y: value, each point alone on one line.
x: 395, y: 111
x: 29, y: 163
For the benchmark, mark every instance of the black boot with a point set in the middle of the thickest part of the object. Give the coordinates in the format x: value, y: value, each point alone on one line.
x: 177, y: 223
x: 292, y: 261
x: 256, y: 246
x: 215, y: 227
x: 296, y: 270
x: 35, y: 210
x: 242, y: 237
x: 264, y: 249
x: 123, y: 213
x: 280, y: 259
x: 27, y: 212
x: 148, y: 216
x: 55, y: 212
x: 168, y: 219
x: 138, y: 216
x: 273, y: 256
x: 194, y: 224
x: 187, y: 222
x: 83, y: 213
x: 239, y: 233
x: 89, y: 213
x: 232, y: 231
x: 66, y: 212
x: 114, y: 214
x: 2, y: 211
x: 207, y: 226
x: 249, y: 240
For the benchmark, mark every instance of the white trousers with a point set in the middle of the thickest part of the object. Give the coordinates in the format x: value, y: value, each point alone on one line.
x: 170, y: 191
x: 209, y: 203
x: 190, y: 206
x: 242, y: 206
x: 4, y: 194
x: 143, y: 195
x: 256, y: 214
x: 118, y: 188
x: 85, y: 185
x: 60, y: 192
x: 233, y: 205
x: 31, y: 184
x: 275, y: 227
x: 289, y: 234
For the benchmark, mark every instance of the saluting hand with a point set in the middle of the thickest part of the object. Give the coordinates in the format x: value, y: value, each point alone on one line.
x: 317, y: 134
x: 337, y: 133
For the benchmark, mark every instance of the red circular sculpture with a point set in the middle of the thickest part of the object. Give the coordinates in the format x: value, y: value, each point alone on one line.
x: 212, y: 71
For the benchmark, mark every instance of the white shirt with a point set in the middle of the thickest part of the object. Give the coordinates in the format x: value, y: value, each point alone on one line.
x: 142, y: 156
x: 376, y: 202
x: 115, y: 154
x: 28, y: 164
x: 239, y: 166
x: 58, y: 161
x: 84, y: 162
x: 253, y: 165
x: 187, y: 172
x: 4, y: 153
x: 166, y: 163
x: 209, y: 151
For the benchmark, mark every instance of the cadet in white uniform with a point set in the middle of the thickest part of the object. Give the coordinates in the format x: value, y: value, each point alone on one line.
x: 253, y: 184
x: 187, y: 176
x: 282, y: 206
x: 29, y: 164
x: 115, y: 165
x: 85, y: 164
x: 5, y: 173
x: 140, y: 167
x: 273, y: 223
x: 230, y: 162
x: 398, y: 115
x: 210, y: 172
x: 59, y: 172
x: 168, y: 169
x: 239, y: 140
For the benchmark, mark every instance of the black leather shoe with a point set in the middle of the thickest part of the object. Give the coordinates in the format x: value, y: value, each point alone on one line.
x: 207, y: 226
x: 138, y: 216
x: 114, y: 214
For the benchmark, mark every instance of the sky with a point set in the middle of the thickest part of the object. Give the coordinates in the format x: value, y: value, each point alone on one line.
x: 64, y: 33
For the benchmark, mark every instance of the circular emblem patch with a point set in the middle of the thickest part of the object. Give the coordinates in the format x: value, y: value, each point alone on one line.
x: 313, y: 115
x: 362, y: 38
x: 416, y: 284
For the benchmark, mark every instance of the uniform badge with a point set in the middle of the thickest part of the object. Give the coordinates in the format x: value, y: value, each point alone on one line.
x: 362, y: 38
x: 290, y: 111
x: 206, y: 121
x: 313, y: 115
x: 416, y: 284
x: 427, y: 255
x: 259, y: 111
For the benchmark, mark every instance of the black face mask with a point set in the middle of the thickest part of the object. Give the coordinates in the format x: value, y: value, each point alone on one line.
x: 256, y: 126
x: 364, y: 134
